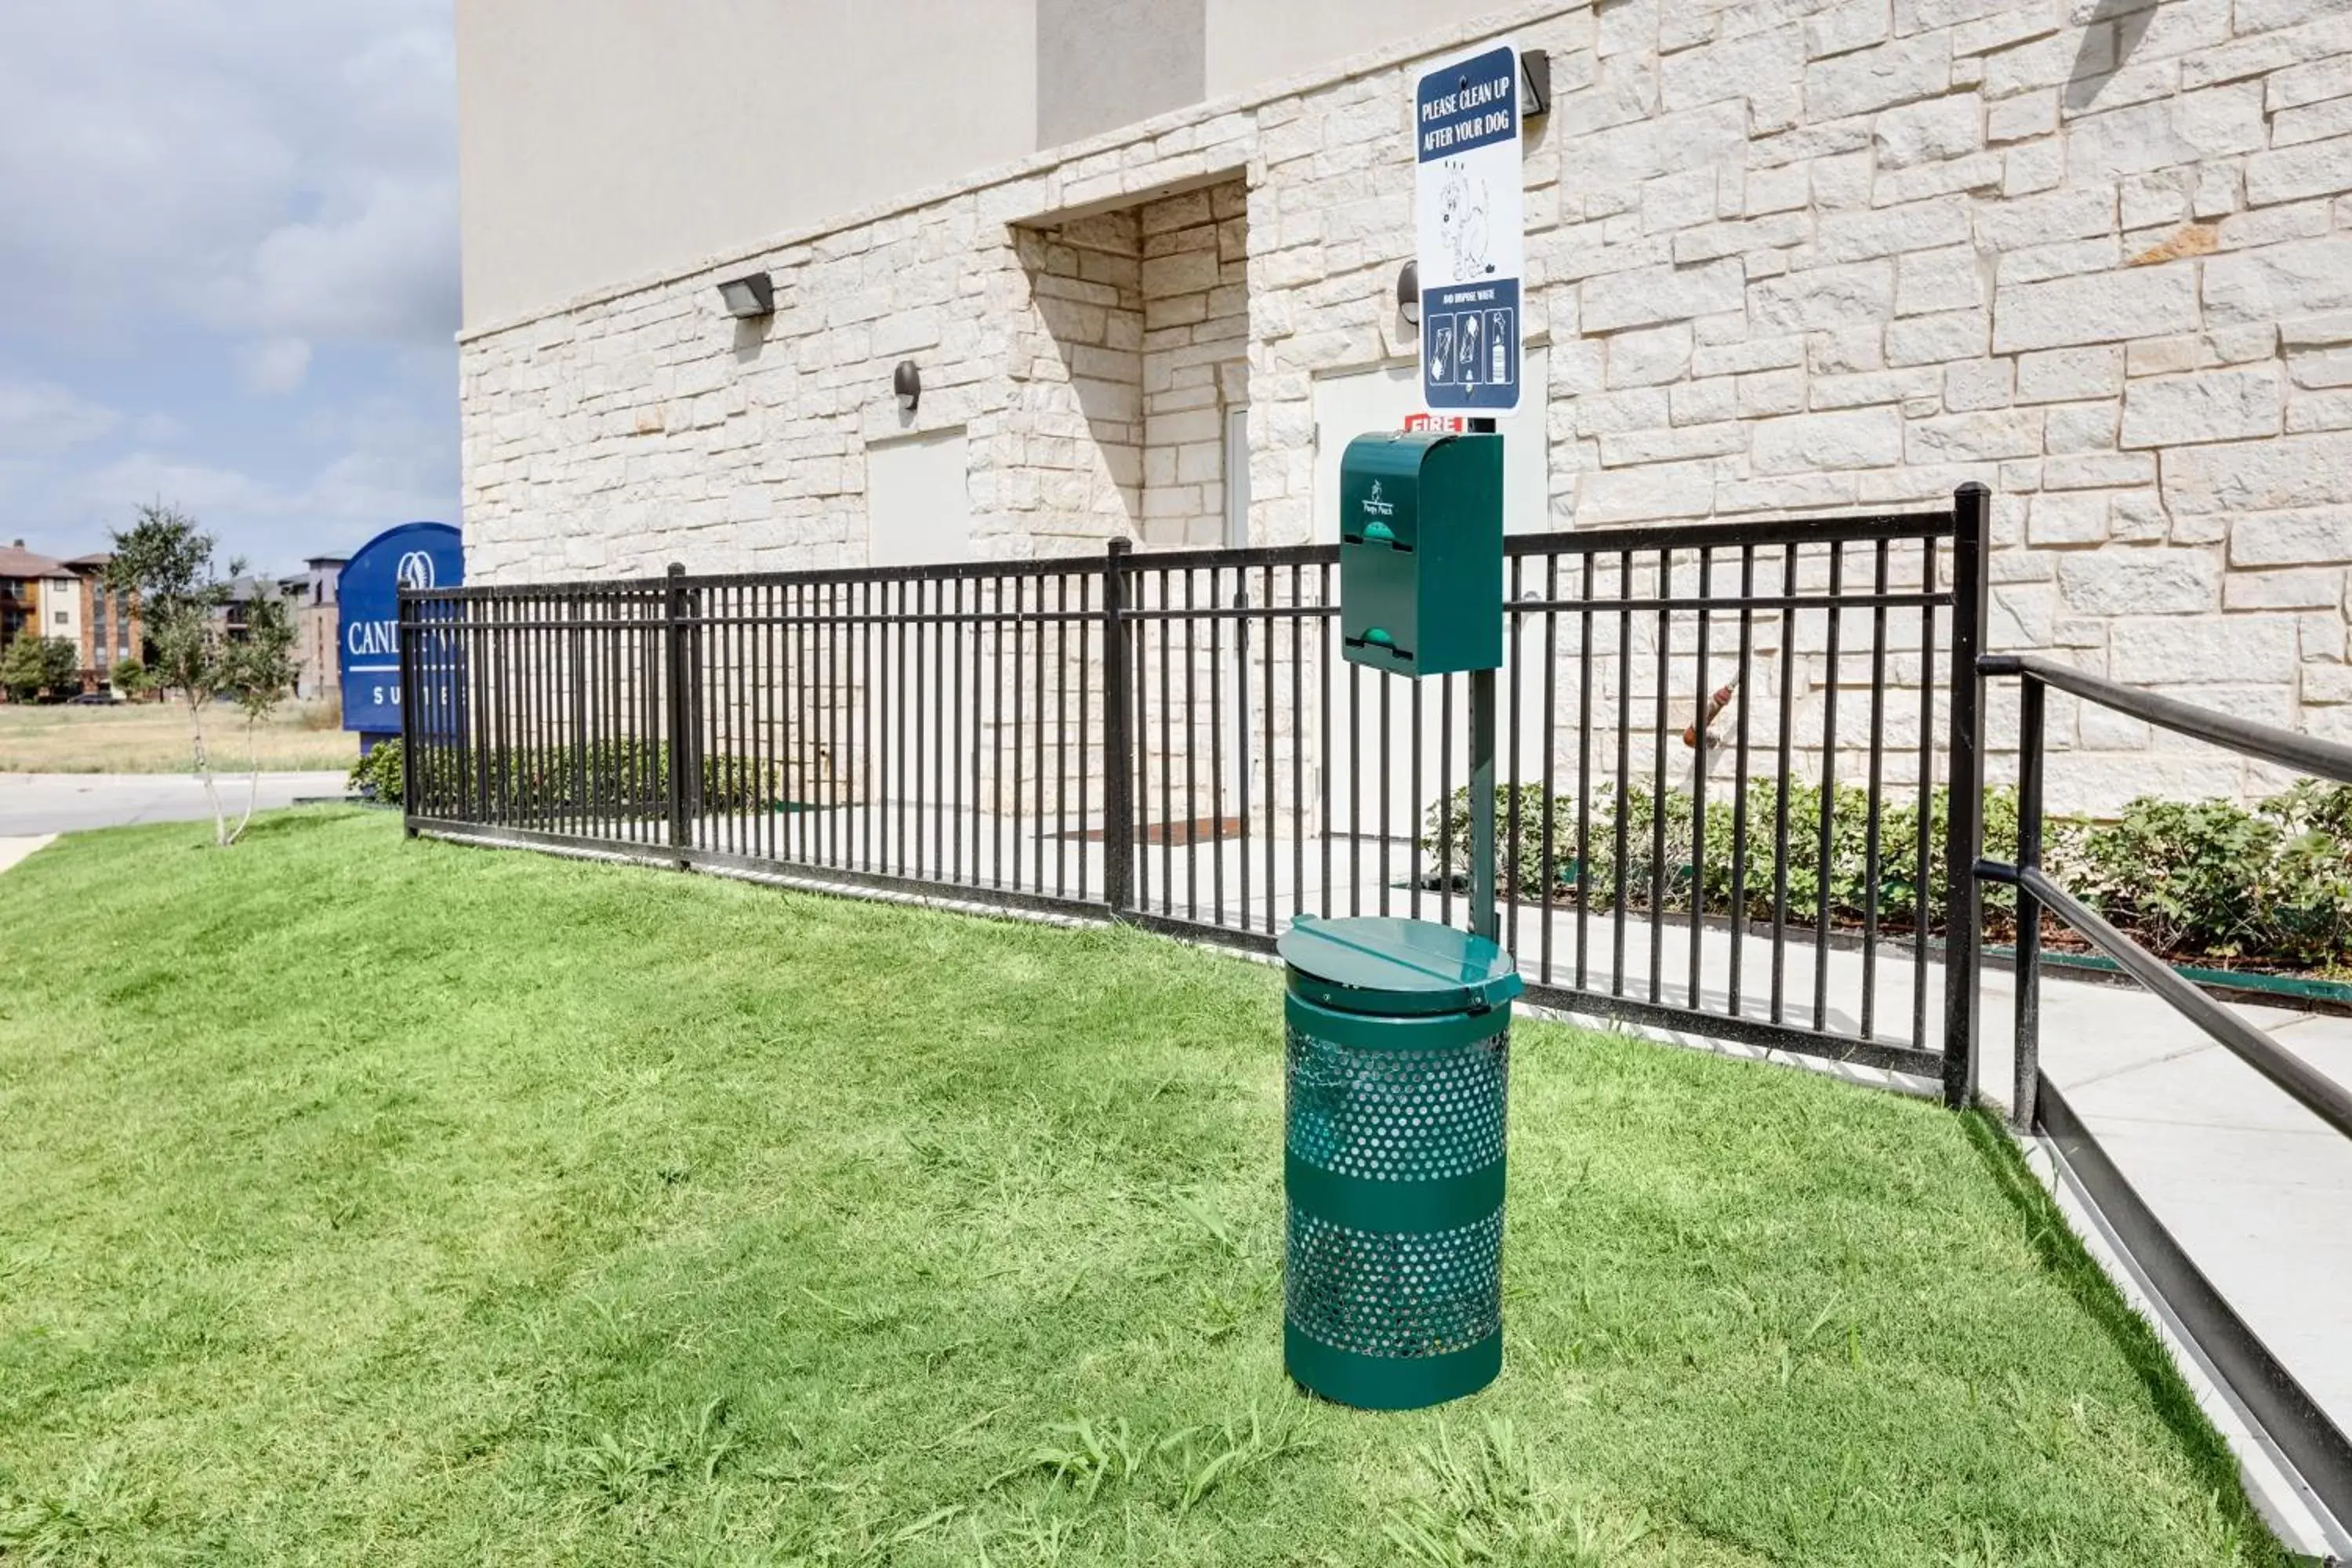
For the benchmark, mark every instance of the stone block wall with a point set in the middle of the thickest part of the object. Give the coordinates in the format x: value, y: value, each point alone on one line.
x: 1195, y: 357
x: 1084, y: 462
x: 1798, y: 258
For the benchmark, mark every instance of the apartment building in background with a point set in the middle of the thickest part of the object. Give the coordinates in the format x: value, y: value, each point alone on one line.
x: 310, y: 596
x: 69, y: 599
x: 1143, y: 263
x: 312, y: 603
x: 111, y: 632
x: 27, y: 585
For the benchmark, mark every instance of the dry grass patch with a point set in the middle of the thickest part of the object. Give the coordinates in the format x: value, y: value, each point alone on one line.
x: 152, y: 738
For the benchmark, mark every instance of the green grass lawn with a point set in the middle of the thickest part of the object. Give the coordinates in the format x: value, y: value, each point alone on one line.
x: 364, y: 1201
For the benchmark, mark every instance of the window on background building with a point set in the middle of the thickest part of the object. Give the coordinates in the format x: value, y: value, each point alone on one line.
x: 65, y: 617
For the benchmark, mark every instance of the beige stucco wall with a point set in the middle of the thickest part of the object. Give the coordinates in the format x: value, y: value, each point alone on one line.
x: 602, y: 142
x: 1253, y: 42
x: 606, y: 140
x: 1102, y: 64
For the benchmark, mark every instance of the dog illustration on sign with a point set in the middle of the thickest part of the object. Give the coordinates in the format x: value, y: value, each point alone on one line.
x: 1461, y: 209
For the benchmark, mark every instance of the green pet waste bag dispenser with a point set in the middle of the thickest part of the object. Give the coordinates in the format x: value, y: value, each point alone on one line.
x: 1397, y: 1078
x: 1421, y: 552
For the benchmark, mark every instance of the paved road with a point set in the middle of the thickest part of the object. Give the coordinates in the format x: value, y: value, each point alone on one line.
x: 35, y: 804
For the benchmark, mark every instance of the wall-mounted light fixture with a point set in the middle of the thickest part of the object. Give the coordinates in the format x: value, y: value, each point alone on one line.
x: 907, y: 383
x: 1409, y: 293
x: 1535, y: 83
x: 753, y: 294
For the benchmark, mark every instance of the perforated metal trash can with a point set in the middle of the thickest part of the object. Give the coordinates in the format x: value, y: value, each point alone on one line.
x: 1399, y: 1069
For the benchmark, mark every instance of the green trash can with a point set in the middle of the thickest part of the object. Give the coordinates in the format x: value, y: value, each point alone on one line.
x: 1399, y: 1062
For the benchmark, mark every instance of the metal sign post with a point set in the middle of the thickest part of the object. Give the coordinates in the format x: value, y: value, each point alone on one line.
x: 1470, y: 223
x: 1484, y: 922
x: 1483, y: 919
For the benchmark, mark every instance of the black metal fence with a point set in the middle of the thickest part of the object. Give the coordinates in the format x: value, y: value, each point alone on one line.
x: 1724, y: 750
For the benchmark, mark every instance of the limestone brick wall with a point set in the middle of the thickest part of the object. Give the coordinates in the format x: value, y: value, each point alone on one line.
x: 1796, y: 259
x: 1195, y: 357
x: 1079, y: 472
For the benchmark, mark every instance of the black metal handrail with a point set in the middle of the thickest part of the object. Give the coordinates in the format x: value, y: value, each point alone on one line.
x: 2305, y: 753
x: 2316, y: 1092
x: 2304, y: 1433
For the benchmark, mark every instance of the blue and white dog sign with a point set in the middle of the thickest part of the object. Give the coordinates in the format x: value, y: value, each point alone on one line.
x: 1469, y: 217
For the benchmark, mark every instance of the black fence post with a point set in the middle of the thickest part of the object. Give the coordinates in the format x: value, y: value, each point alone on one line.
x: 405, y: 644
x: 1964, y: 825
x: 2027, y: 1078
x: 676, y: 634
x: 1118, y: 761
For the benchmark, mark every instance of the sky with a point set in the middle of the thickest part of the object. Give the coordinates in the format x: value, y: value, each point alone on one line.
x: 229, y: 270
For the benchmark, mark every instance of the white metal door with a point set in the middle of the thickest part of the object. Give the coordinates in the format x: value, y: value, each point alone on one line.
x: 918, y: 500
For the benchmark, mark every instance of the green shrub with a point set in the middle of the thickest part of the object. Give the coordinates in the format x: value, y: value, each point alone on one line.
x: 614, y: 778
x: 2180, y: 873
x: 2190, y: 879
x: 1523, y: 872
x: 2312, y: 807
x: 2208, y: 879
x: 380, y: 775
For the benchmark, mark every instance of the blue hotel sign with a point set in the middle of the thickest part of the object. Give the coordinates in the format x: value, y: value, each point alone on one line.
x: 414, y: 555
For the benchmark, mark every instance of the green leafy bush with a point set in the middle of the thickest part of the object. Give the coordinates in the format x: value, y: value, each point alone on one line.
x: 379, y: 774
x: 36, y: 665
x: 2209, y: 879
x: 1730, y: 839
x: 610, y: 778
x: 2191, y: 880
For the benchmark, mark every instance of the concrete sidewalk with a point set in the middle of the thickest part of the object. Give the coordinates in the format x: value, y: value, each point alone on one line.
x: 13, y: 849
x: 2252, y: 1187
x: 33, y: 803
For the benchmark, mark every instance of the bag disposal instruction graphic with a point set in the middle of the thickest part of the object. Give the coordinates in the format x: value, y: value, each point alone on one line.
x: 1470, y: 231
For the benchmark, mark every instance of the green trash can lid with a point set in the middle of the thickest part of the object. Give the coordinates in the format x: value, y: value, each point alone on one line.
x: 1377, y: 963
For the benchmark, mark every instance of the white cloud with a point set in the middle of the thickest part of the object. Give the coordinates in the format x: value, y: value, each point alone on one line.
x: 270, y: 168
x: 39, y: 419
x: 378, y: 265
x: 115, y: 489
x: 228, y: 199
x: 274, y: 366
x: 344, y: 502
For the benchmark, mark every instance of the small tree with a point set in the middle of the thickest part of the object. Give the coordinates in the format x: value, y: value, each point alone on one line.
x: 257, y: 671
x: 34, y: 665
x: 165, y: 566
x: 128, y: 676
